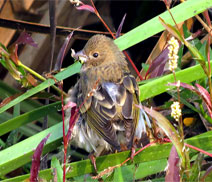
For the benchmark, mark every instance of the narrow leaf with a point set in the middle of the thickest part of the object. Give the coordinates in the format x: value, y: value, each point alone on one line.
x: 153, y: 153
x: 170, y: 131
x: 196, y: 168
x: 73, y: 69
x: 55, y: 164
x: 28, y: 117
x: 172, y: 30
x: 173, y: 172
x: 36, y: 160
x: 62, y: 52
x: 118, y: 33
x: 181, y: 12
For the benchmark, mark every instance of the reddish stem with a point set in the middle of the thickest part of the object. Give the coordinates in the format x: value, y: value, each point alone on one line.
x: 207, y: 17
x: 198, y: 149
x: 64, y: 136
x: 133, y: 65
x: 114, y: 37
x: 209, y: 66
x: 192, y: 147
x: 148, y: 145
x: 140, y: 150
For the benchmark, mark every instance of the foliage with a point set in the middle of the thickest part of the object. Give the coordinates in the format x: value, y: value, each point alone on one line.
x: 149, y: 161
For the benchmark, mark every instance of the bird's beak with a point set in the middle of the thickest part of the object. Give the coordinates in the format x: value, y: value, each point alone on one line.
x: 80, y: 55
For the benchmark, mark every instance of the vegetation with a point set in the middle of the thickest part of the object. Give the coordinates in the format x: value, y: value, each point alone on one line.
x: 189, y: 87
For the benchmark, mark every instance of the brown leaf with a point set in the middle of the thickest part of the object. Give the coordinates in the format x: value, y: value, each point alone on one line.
x: 8, y: 99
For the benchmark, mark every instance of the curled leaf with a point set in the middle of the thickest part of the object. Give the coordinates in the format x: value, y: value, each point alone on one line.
x: 24, y: 38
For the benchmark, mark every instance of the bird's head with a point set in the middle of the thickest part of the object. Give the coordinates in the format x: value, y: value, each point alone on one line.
x: 99, y: 50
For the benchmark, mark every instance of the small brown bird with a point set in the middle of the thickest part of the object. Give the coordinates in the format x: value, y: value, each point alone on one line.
x: 109, y: 118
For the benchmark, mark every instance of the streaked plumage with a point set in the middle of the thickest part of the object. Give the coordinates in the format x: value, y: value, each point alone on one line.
x: 109, y: 119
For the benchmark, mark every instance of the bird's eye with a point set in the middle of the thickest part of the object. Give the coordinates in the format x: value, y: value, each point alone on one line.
x: 95, y: 55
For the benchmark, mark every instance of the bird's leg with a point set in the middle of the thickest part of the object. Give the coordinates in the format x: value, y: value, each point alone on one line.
x: 132, y: 153
x: 92, y: 157
x: 93, y: 161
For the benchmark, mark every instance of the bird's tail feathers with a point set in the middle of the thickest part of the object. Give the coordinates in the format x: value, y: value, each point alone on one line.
x: 142, y: 122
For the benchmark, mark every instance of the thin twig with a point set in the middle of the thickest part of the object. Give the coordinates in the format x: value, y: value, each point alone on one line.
x: 45, y: 29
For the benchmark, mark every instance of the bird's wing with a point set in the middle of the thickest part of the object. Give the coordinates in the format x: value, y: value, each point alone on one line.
x: 129, y: 111
x: 109, y: 102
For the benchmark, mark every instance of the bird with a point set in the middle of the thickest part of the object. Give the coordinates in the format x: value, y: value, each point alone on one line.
x: 107, y: 96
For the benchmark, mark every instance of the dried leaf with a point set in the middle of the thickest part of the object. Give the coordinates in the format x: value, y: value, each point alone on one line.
x: 14, y: 53
x: 32, y: 81
x: 13, y: 70
x: 8, y: 99
x: 107, y: 171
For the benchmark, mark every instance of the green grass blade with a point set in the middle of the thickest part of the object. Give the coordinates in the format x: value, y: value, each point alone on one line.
x: 21, y: 153
x: 158, y: 86
x: 28, y: 117
x: 150, y: 154
x: 26, y: 105
x: 71, y: 70
x: 181, y: 13
x: 55, y: 164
